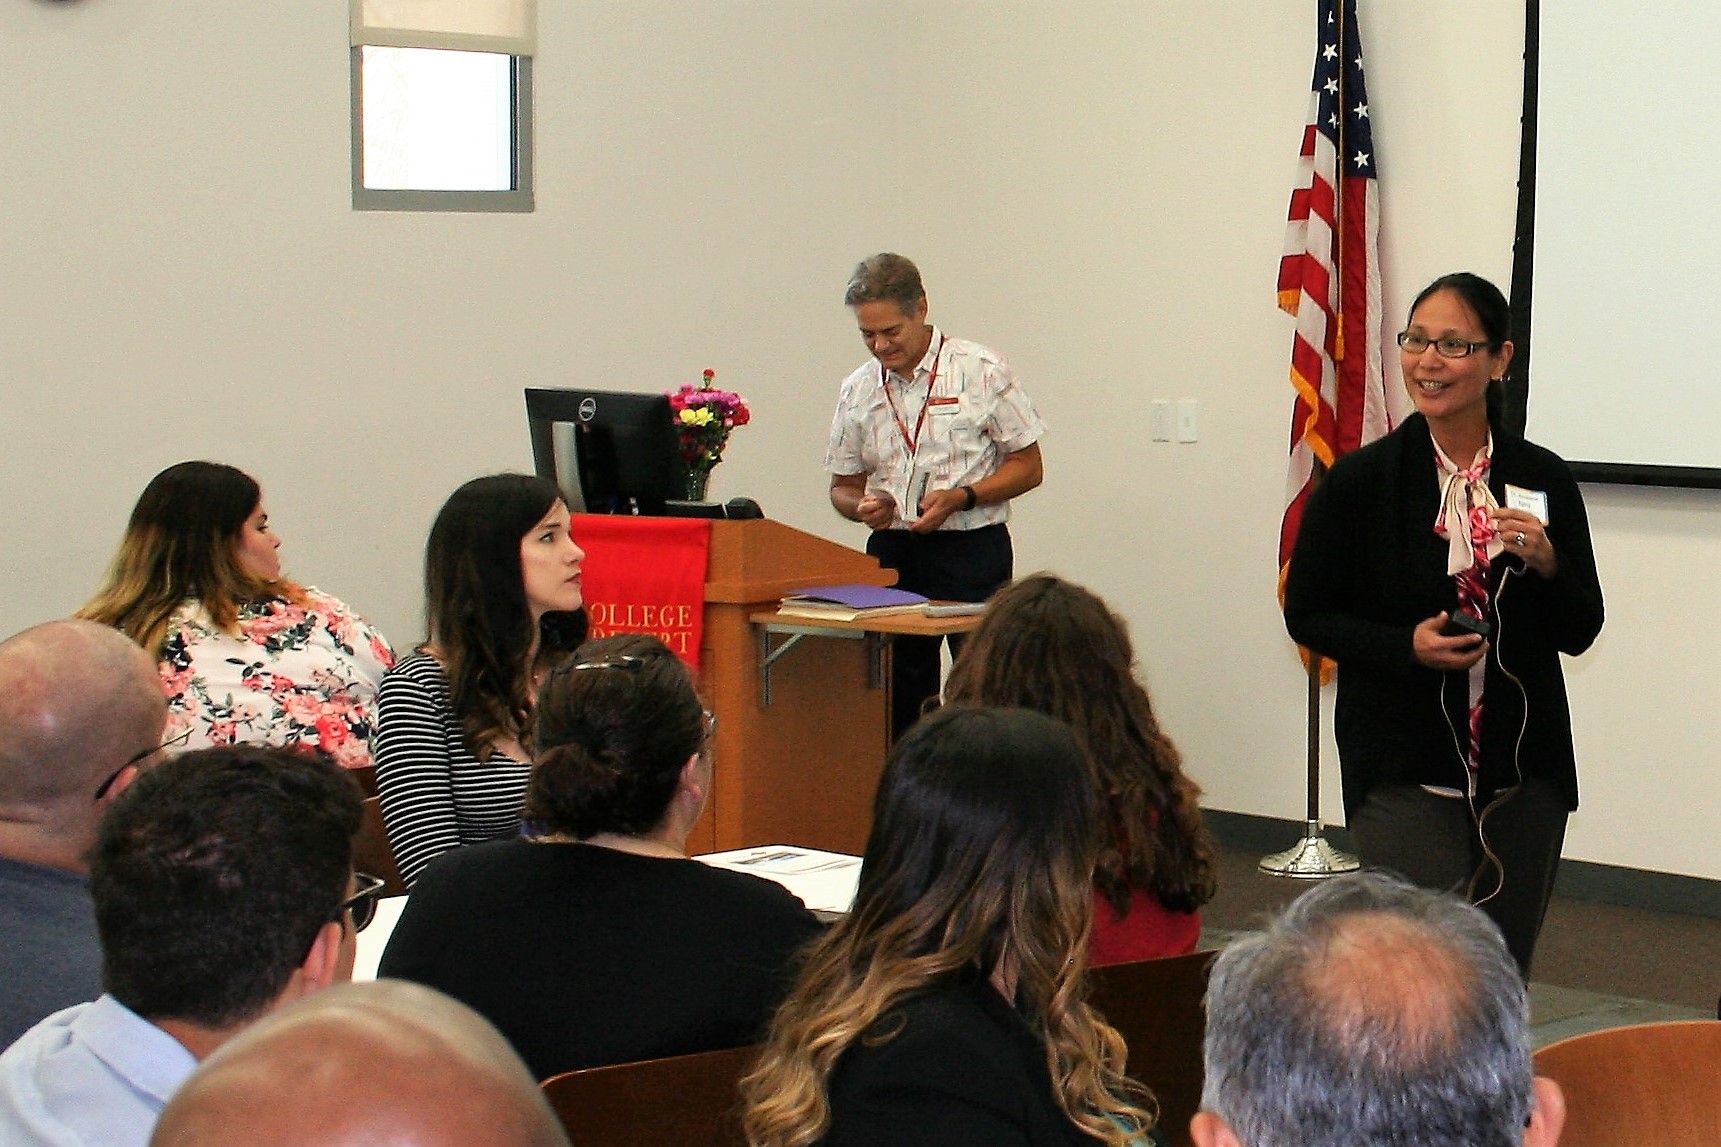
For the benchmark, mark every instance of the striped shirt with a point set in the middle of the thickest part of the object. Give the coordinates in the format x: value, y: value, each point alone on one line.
x: 437, y: 796
x: 978, y: 415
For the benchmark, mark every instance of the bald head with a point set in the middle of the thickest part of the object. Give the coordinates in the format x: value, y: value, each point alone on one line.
x: 1369, y: 1012
x: 77, y: 699
x: 367, y: 1064
x: 1380, y: 972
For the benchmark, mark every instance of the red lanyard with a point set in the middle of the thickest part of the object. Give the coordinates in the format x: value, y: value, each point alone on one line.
x: 912, y: 441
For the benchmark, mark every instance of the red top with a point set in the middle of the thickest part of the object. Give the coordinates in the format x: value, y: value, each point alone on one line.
x: 1149, y: 931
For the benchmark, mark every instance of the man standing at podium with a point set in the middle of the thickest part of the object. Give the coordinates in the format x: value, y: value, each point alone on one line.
x: 931, y: 439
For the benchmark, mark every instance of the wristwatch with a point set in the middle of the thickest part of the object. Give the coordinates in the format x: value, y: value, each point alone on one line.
x: 973, y: 498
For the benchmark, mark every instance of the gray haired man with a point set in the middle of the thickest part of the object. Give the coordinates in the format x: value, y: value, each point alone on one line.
x: 1372, y: 1012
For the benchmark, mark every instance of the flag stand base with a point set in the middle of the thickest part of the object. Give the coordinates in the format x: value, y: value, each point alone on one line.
x: 1311, y: 858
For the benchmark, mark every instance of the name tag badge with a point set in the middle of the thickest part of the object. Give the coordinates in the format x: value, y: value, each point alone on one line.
x: 1532, y: 502
x: 949, y: 404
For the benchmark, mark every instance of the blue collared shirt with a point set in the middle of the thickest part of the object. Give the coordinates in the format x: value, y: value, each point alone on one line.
x: 92, y: 1075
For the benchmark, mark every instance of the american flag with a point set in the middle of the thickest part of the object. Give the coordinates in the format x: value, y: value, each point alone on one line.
x: 1329, y: 277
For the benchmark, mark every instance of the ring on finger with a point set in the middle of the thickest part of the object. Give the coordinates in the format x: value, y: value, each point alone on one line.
x: 1520, y: 539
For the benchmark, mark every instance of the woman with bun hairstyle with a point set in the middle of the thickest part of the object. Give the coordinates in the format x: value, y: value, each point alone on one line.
x: 1048, y: 645
x: 454, y: 732
x: 246, y: 655
x: 595, y: 939
x: 947, y: 1008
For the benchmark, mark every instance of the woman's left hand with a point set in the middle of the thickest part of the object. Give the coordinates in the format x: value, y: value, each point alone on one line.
x: 1524, y: 535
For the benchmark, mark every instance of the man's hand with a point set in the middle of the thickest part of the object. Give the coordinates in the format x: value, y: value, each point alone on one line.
x: 854, y: 501
x: 937, y: 506
x: 876, y: 510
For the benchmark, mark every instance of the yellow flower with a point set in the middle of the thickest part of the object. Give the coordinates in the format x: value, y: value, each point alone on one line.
x: 696, y: 416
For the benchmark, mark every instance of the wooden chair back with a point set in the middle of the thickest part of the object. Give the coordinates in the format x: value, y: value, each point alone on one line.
x: 681, y: 1101
x: 372, y: 852
x: 1157, y: 1006
x: 1650, y: 1083
x: 365, y: 777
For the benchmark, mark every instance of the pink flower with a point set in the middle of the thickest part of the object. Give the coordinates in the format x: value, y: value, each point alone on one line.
x: 175, y: 683
x: 279, y: 618
x: 303, y: 709
x: 379, y: 649
x: 331, y: 732
x: 352, y: 753
x: 223, y: 732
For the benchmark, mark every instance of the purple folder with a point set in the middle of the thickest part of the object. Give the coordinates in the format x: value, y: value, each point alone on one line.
x: 855, y: 596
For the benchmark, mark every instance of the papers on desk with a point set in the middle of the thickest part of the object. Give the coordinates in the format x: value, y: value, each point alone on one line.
x: 825, y: 881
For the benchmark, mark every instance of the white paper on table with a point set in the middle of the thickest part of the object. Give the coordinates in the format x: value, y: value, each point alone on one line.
x: 825, y: 881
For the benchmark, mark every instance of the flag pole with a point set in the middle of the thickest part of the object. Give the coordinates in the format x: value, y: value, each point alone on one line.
x: 1312, y: 858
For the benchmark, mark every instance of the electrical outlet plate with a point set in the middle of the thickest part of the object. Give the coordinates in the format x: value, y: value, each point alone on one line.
x: 1159, y: 419
x: 1186, y: 420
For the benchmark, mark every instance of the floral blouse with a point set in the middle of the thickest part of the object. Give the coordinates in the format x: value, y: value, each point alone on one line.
x: 299, y: 675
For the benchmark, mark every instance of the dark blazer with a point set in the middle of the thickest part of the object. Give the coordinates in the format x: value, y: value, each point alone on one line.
x: 964, y: 1070
x: 1368, y: 567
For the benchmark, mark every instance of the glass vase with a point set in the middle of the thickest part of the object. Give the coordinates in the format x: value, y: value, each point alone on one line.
x: 697, y: 479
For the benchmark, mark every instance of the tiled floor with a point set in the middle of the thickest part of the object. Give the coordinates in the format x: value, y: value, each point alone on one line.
x: 1556, y: 1012
x: 1604, y: 958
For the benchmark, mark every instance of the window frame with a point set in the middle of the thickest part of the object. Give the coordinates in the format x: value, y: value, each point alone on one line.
x: 518, y: 199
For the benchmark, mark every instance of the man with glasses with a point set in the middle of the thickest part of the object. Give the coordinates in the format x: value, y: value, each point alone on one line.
x: 81, y: 711
x: 223, y: 888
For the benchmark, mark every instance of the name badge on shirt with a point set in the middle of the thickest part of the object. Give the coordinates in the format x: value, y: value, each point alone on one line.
x: 1532, y: 502
x: 949, y: 404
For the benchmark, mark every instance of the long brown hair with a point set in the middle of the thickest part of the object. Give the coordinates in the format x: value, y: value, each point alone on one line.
x: 980, y: 856
x: 182, y: 545
x: 1048, y: 645
x: 475, y: 600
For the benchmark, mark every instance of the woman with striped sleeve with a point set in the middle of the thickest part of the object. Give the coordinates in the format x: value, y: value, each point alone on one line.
x: 452, y: 751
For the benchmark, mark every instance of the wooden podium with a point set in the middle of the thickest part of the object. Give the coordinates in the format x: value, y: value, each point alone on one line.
x: 802, y: 770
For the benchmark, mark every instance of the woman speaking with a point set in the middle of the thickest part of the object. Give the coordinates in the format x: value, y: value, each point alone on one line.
x: 1445, y: 568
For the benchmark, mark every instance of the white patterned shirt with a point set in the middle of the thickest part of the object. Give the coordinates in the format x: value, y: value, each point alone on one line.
x: 294, y: 675
x: 977, y: 414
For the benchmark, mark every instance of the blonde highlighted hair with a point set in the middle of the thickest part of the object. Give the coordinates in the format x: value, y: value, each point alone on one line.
x: 182, y: 545
x: 981, y: 857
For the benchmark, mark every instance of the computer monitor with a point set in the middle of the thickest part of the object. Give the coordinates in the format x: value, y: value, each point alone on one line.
x: 611, y: 453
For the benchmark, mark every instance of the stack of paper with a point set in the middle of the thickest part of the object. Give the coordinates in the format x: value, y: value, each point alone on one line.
x: 850, y: 602
x: 825, y: 881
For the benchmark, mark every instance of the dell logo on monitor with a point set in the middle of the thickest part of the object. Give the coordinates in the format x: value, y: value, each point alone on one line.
x: 588, y: 409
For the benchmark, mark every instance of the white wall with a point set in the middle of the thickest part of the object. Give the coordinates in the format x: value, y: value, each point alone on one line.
x: 1097, y: 188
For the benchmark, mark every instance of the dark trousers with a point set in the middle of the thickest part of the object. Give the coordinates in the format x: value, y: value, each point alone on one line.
x: 949, y: 565
x: 1507, y: 868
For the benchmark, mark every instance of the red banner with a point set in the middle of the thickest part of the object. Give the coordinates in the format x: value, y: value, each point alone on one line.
x: 646, y: 575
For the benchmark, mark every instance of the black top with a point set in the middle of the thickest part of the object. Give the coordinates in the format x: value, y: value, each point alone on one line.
x: 1368, y: 567
x: 963, y: 1071
x: 585, y: 956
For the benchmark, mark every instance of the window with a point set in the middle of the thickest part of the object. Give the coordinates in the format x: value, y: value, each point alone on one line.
x: 442, y: 105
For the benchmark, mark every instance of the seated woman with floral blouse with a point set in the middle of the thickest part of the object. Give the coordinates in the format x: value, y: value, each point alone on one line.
x: 246, y: 656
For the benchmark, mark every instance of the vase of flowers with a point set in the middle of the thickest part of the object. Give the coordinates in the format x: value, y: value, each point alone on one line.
x: 704, y: 416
